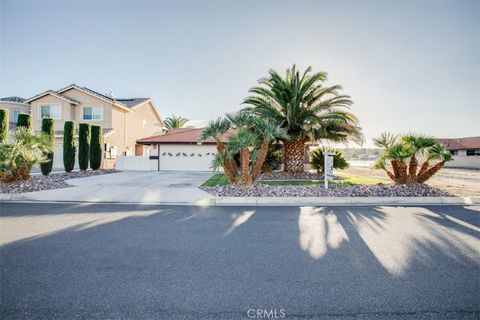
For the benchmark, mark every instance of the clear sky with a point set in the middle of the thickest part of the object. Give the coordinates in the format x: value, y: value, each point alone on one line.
x: 409, y: 66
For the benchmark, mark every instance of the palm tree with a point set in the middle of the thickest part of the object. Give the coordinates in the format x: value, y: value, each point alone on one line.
x: 399, y: 150
x: 174, y: 122
x: 306, y: 109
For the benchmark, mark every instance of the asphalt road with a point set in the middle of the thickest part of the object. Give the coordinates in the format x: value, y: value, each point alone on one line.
x: 86, y: 261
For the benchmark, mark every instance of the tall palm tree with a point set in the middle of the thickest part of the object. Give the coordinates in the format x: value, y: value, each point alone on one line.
x: 174, y: 122
x: 306, y: 109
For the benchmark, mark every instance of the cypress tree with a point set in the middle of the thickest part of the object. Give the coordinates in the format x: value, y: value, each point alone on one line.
x: 96, y: 148
x: 3, y: 126
x: 69, y: 146
x: 24, y: 120
x: 83, y: 145
x: 48, y: 129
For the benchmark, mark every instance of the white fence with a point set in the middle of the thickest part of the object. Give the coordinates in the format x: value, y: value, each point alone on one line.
x: 472, y: 162
x: 136, y: 163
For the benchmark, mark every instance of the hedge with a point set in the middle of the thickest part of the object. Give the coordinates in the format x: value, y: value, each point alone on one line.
x: 83, y: 145
x: 24, y: 120
x: 48, y: 129
x: 3, y: 125
x: 69, y: 146
x: 96, y: 148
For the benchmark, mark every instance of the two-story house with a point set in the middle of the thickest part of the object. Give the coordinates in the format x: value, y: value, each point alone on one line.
x: 123, y: 120
x: 15, y: 106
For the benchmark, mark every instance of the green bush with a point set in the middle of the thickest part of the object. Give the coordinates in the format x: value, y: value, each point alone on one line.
x: 83, y: 145
x: 3, y: 126
x: 96, y: 148
x: 69, y: 146
x: 317, y: 160
x: 49, y: 130
x: 24, y: 120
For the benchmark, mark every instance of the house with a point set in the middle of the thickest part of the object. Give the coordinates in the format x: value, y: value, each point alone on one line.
x: 123, y: 121
x: 465, y: 151
x: 15, y: 106
x: 178, y: 149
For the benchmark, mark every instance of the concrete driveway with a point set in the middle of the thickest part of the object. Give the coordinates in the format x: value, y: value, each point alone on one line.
x: 120, y: 261
x: 133, y: 186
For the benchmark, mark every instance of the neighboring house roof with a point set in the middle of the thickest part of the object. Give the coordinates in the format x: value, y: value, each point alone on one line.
x: 181, y: 136
x: 461, y: 143
x: 105, y: 132
x: 132, y: 102
x: 13, y: 99
x: 55, y: 94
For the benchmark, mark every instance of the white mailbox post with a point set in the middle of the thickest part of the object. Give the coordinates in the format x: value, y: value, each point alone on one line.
x: 328, y: 167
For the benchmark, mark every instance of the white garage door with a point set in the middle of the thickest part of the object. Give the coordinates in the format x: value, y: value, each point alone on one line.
x: 58, y: 158
x: 185, y: 157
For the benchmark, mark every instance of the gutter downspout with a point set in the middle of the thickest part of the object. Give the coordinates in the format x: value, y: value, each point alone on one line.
x: 158, y: 158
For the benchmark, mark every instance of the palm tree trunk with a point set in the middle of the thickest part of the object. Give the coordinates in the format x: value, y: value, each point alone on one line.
x: 412, y: 168
x: 391, y: 176
x: 423, y: 168
x: 229, y: 170
x: 262, y: 155
x: 430, y: 172
x: 293, y: 155
x: 245, y: 177
x: 402, y: 176
x: 395, y: 168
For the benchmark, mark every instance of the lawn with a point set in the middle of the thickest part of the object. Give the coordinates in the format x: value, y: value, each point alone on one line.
x: 219, y: 179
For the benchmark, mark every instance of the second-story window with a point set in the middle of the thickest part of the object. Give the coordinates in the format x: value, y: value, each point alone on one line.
x: 53, y: 111
x: 93, y: 113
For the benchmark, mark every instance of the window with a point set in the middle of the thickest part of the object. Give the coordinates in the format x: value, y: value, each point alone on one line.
x: 93, y: 113
x: 454, y: 152
x: 15, y: 115
x: 473, y: 152
x: 53, y: 111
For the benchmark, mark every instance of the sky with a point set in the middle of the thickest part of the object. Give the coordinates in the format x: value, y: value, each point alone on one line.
x: 408, y: 66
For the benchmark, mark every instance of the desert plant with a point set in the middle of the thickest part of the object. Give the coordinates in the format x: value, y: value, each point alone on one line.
x: 273, y: 159
x: 174, y: 122
x: 3, y: 126
x: 24, y: 120
x: 306, y: 109
x: 402, y: 153
x: 317, y: 160
x: 49, y: 130
x: 83, y: 145
x: 96, y: 147
x: 69, y: 146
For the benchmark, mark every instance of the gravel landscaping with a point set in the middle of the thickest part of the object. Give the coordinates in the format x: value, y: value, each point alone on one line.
x: 378, y: 190
x: 52, y: 181
x: 281, y: 175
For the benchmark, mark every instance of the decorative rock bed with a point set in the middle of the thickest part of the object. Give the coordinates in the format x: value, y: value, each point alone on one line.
x: 281, y: 175
x: 52, y: 181
x: 378, y: 190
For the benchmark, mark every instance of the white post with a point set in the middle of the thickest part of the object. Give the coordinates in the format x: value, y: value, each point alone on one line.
x: 327, y: 167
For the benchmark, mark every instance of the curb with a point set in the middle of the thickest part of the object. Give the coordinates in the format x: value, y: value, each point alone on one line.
x: 279, y: 201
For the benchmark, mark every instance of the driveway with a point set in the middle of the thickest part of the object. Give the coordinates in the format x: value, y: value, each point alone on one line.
x: 120, y: 261
x: 133, y: 186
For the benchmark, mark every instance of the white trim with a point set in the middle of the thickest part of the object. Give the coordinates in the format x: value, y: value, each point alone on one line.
x: 116, y: 104
x: 39, y: 106
x: 92, y: 107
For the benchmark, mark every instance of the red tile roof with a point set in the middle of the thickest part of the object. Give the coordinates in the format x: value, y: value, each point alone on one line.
x: 180, y: 136
x: 461, y: 143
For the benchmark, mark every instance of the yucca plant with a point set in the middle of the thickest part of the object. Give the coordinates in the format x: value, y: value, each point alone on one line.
x: 402, y: 152
x: 317, y: 160
x: 306, y: 108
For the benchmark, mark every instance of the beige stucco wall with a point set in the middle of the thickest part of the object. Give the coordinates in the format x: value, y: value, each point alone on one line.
x: 66, y: 114
x: 12, y: 106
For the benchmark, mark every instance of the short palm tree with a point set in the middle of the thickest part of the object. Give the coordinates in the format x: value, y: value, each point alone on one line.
x: 317, y: 159
x: 306, y: 109
x: 402, y: 153
x: 174, y: 122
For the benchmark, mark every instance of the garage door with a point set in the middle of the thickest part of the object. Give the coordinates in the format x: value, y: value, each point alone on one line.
x: 185, y: 157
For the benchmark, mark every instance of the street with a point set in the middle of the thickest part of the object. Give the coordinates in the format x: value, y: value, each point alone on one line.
x: 119, y: 261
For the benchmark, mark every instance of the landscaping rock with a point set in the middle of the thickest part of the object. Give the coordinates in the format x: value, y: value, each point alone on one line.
x: 281, y: 175
x: 52, y: 181
x: 379, y: 190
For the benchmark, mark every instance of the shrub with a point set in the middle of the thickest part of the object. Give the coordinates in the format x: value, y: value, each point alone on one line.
x: 83, y: 145
x: 24, y: 120
x: 3, y: 126
x: 317, y: 159
x: 48, y: 130
x: 69, y: 146
x: 96, y: 148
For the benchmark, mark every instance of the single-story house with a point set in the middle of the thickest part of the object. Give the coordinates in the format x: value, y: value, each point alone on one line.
x: 180, y: 149
x: 123, y: 120
x: 465, y: 151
